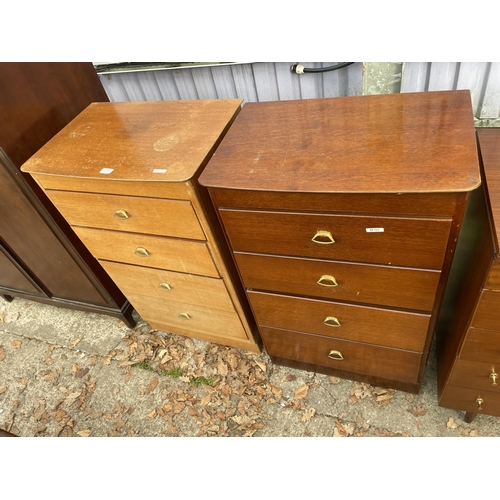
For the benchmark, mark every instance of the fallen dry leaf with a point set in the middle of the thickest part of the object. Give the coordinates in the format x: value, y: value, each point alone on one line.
x: 85, y: 433
x: 2, y: 317
x: 308, y: 414
x: 276, y: 391
x: 301, y: 392
x: 2, y: 390
x: 417, y: 411
x: 290, y: 377
x: 152, y: 414
x: 206, y: 399
x: 335, y: 380
x: 16, y: 344
x: 261, y: 365
x: 451, y: 424
x: 152, y: 385
x: 222, y: 368
x: 2, y: 353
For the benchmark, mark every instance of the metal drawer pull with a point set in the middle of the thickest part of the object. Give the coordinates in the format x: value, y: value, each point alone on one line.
x: 494, y: 376
x: 479, y: 402
x: 327, y: 280
x: 337, y: 355
x: 141, y: 252
x: 164, y: 286
x: 331, y: 321
x: 323, y: 234
x: 184, y: 316
x: 121, y: 214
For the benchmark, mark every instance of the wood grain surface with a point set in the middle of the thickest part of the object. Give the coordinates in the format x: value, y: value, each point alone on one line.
x: 202, y: 320
x: 161, y: 217
x: 149, y: 141
x: 188, y: 288
x: 164, y: 253
x: 383, y: 327
x: 489, y: 140
x: 368, y: 360
x: 363, y: 283
x: 408, y: 142
x: 481, y: 345
x: 400, y: 242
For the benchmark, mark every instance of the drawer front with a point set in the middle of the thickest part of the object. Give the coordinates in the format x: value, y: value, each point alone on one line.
x: 364, y: 359
x: 389, y: 286
x: 487, y: 313
x: 361, y: 324
x: 127, y: 213
x: 493, y: 282
x: 476, y: 375
x: 169, y: 285
x: 163, y: 253
x: 464, y: 398
x: 198, y: 319
x: 482, y: 346
x: 382, y: 240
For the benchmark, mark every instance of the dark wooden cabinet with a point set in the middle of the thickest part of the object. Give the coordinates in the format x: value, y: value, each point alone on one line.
x: 468, y: 333
x: 342, y: 215
x: 40, y: 256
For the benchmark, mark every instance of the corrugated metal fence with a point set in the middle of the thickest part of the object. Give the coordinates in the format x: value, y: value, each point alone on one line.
x: 274, y: 81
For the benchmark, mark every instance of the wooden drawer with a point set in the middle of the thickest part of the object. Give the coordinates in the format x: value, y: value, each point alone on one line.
x: 475, y: 375
x: 169, y: 285
x: 403, y: 242
x: 137, y: 215
x: 361, y: 324
x: 358, y: 358
x: 390, y: 286
x: 487, y: 314
x: 481, y: 345
x: 172, y: 316
x: 465, y: 399
x: 164, y: 253
x: 493, y: 281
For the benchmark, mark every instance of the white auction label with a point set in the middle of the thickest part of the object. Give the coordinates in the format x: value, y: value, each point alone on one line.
x: 106, y: 170
x: 374, y: 229
x: 159, y: 170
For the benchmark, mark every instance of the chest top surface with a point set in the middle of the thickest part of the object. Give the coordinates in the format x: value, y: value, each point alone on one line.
x: 489, y: 143
x: 143, y: 141
x: 397, y: 143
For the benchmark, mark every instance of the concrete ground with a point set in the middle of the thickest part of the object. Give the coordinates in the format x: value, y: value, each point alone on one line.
x: 70, y: 373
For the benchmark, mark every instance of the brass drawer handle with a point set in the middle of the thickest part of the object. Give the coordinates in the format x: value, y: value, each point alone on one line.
x: 327, y: 280
x: 337, y: 355
x: 141, y: 252
x: 494, y: 376
x: 479, y: 402
x: 331, y: 321
x: 164, y: 286
x: 323, y: 234
x: 184, y: 316
x: 121, y: 214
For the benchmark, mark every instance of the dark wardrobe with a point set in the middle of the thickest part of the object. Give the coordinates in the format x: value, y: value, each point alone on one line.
x: 40, y: 256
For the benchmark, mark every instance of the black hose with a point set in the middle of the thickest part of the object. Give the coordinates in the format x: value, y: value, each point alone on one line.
x: 293, y: 68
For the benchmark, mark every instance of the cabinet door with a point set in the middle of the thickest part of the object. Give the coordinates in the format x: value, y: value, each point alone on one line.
x: 33, y: 244
x: 12, y: 276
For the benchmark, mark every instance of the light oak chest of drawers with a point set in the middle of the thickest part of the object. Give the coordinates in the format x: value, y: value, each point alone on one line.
x: 124, y: 175
x: 342, y: 215
x: 469, y: 329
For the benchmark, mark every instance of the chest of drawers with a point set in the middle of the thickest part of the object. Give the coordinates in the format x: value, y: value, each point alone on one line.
x: 124, y: 175
x: 342, y: 216
x: 468, y: 332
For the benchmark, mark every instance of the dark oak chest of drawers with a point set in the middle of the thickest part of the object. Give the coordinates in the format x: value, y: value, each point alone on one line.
x: 469, y: 328
x: 342, y: 215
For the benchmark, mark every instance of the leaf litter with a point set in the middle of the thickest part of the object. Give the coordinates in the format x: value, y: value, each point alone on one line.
x: 236, y: 388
